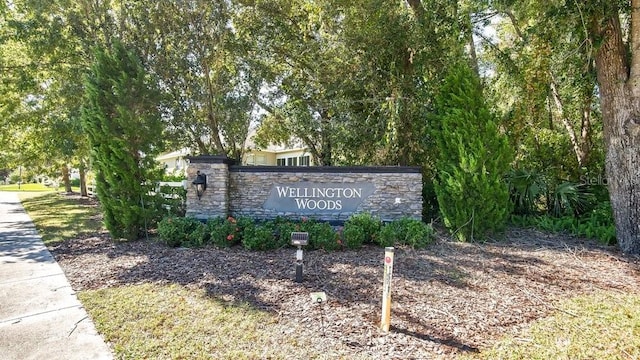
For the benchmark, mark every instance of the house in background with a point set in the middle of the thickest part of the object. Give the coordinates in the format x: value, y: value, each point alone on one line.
x: 273, y: 155
x: 174, y: 162
x: 278, y: 156
x: 292, y: 154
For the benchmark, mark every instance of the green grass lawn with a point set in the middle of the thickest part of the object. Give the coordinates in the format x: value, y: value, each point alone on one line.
x: 58, y: 217
x: 26, y: 188
x: 605, y: 325
x: 152, y: 321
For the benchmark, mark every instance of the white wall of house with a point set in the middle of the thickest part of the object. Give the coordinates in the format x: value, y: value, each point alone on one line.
x: 258, y: 157
x: 294, y: 157
x: 288, y: 157
x: 174, y: 162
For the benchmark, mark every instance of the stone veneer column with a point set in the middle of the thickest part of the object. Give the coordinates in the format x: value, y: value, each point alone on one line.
x: 215, y: 199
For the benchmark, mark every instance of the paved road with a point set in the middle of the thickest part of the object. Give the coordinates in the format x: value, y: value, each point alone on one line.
x: 40, y: 315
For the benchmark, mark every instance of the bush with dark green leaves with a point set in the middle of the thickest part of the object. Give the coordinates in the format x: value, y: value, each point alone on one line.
x: 261, y: 236
x: 226, y: 232
x: 526, y: 191
x: 597, y: 224
x: 570, y: 198
x: 360, y: 229
x: 182, y: 231
x: 353, y: 236
x: 268, y: 235
x: 472, y: 159
x: 323, y: 236
x: 198, y: 236
x: 283, y: 227
x: 406, y: 231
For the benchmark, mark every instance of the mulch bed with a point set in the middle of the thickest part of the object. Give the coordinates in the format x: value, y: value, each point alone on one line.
x: 452, y: 298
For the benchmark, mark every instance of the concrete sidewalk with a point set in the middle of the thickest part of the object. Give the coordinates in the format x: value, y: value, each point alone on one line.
x: 40, y: 315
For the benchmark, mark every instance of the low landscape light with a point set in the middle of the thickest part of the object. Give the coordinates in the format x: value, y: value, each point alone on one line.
x: 299, y: 239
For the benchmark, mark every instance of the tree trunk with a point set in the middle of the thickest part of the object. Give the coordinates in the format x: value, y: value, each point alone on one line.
x: 65, y: 178
x: 326, y: 159
x: 473, y: 55
x: 620, y: 112
x: 214, y: 126
x: 578, y: 145
x: 83, y: 179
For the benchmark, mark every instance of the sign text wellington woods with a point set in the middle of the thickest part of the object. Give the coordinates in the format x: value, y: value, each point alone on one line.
x: 318, y: 198
x: 309, y: 198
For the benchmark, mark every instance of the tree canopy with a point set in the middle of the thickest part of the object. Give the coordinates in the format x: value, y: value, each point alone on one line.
x: 352, y: 81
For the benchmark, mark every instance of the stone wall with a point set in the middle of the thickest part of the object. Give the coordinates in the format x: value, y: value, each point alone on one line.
x: 324, y: 193
x: 215, y: 200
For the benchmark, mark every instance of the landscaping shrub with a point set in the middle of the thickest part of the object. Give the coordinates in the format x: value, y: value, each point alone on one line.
x: 570, y: 198
x: 406, y: 231
x: 526, y: 189
x: 123, y: 126
x: 322, y: 236
x: 197, y: 234
x: 353, y: 236
x: 283, y: 228
x: 361, y: 229
x: 261, y: 236
x: 305, y: 224
x: 388, y: 235
x: 417, y: 234
x: 597, y: 224
x: 472, y: 159
x: 227, y: 232
x: 181, y: 231
x: 532, y: 193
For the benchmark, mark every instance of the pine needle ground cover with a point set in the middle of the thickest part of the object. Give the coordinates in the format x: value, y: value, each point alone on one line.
x: 452, y: 299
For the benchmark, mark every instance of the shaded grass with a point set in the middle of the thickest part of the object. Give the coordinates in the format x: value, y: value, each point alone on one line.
x: 604, y: 325
x: 25, y: 187
x: 58, y: 217
x: 152, y: 321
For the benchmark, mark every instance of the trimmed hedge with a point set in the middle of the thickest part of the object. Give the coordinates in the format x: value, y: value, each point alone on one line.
x: 358, y: 230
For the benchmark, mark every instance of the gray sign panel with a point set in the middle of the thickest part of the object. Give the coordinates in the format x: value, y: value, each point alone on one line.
x: 318, y: 198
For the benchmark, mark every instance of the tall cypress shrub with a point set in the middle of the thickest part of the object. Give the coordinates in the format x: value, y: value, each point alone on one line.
x: 472, y: 159
x: 123, y: 124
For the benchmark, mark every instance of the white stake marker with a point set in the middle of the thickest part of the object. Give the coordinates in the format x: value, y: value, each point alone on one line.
x: 386, y: 289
